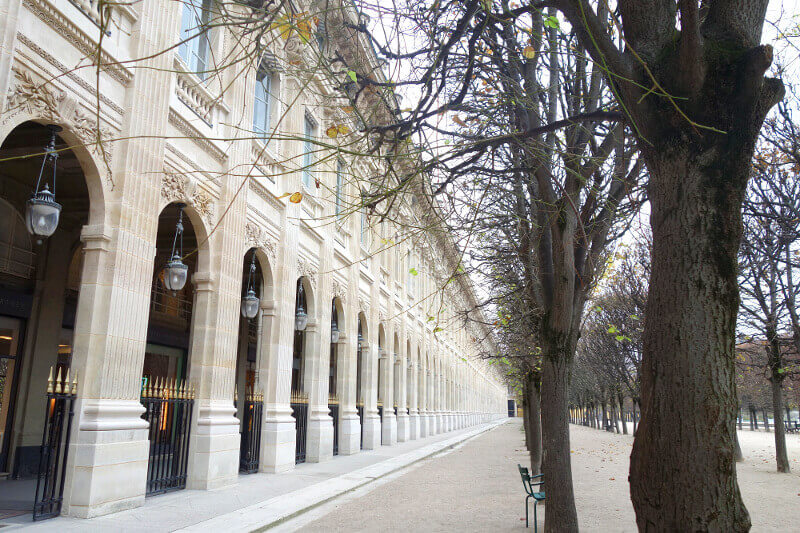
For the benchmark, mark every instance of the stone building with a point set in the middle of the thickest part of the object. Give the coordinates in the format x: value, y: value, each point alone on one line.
x: 344, y: 352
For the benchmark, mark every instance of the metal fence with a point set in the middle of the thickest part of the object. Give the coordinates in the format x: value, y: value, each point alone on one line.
x: 333, y: 405
x: 300, y: 414
x: 250, y: 448
x: 55, y: 446
x: 360, y: 411
x: 168, y: 409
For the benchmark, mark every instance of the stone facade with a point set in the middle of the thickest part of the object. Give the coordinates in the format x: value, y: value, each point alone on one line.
x: 154, y: 135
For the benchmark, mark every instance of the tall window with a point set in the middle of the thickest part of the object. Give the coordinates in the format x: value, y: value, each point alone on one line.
x: 309, y: 133
x: 262, y: 107
x: 339, y: 187
x: 195, y: 46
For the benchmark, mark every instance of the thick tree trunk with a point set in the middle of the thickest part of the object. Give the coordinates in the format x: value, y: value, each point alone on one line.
x: 636, y: 409
x: 534, y: 423
x: 753, y: 419
x: 740, y: 419
x: 780, y: 435
x: 688, y: 386
x: 622, y: 414
x: 525, y: 426
x: 560, y: 513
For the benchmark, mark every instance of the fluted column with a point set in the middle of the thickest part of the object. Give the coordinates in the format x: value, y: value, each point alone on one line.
x: 401, y: 398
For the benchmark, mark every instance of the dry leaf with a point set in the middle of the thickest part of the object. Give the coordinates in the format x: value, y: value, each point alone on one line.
x: 296, y: 197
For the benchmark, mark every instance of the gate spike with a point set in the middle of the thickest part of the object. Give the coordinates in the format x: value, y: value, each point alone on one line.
x: 191, y: 396
x: 66, y: 382
x: 74, y: 390
x: 157, y: 391
x: 50, y: 381
x: 58, y: 381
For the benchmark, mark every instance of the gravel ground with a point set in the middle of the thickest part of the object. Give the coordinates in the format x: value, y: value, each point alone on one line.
x: 476, y: 487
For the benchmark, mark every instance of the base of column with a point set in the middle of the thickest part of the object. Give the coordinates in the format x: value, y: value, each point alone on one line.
x: 389, y: 429
x: 349, y: 434
x: 431, y: 424
x: 402, y: 427
x: 438, y: 427
x: 277, y: 441
x: 413, y: 426
x: 107, y: 463
x: 319, y: 439
x: 423, y: 425
x: 214, y: 446
x: 371, y: 432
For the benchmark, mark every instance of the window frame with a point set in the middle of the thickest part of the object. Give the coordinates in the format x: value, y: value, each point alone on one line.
x: 196, y: 50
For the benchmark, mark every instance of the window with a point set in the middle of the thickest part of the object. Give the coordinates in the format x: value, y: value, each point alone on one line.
x: 195, y: 47
x: 339, y: 187
x: 262, y: 106
x: 309, y: 133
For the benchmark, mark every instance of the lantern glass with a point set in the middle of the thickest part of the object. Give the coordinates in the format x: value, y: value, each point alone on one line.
x: 175, y: 274
x: 250, y: 304
x: 334, y: 334
x: 42, y: 213
x: 300, y: 320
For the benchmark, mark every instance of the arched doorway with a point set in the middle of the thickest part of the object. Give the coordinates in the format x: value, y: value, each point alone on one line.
x: 334, y: 364
x: 299, y: 395
x: 249, y: 398
x: 382, y: 365
x: 361, y: 373
x: 40, y: 272
x: 165, y: 392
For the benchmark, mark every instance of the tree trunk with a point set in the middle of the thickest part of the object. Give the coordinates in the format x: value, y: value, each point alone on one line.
x: 740, y: 419
x: 525, y: 425
x: 622, y: 414
x: 780, y: 435
x: 753, y: 419
x: 687, y: 371
x: 560, y: 513
x: 604, y: 416
x: 766, y: 420
x: 635, y: 416
x: 534, y: 423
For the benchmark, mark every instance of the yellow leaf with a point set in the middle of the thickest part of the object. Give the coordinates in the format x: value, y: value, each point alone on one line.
x: 458, y: 120
x: 332, y: 132
x: 347, y: 109
x: 296, y: 197
x: 529, y: 52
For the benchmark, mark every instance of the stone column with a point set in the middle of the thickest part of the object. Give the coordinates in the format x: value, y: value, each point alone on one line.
x: 389, y: 424
x: 401, y: 398
x: 371, y: 432
x: 319, y: 439
x: 107, y: 466
x: 9, y: 20
x: 413, y: 397
x: 422, y: 399
x: 349, y: 425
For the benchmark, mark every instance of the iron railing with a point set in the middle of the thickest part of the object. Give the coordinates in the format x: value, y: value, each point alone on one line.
x: 380, y: 417
x: 55, y: 446
x: 250, y: 448
x: 300, y: 413
x: 360, y: 411
x: 168, y: 409
x: 333, y: 405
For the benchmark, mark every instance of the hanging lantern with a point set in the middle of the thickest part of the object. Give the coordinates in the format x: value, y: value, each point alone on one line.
x: 334, y: 325
x: 250, y: 301
x: 300, y: 316
x: 42, y: 211
x: 176, y: 272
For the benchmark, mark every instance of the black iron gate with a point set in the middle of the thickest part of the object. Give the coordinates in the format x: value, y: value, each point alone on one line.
x: 333, y: 405
x: 55, y: 446
x: 250, y: 448
x: 360, y: 411
x: 300, y: 414
x: 380, y: 417
x: 168, y: 410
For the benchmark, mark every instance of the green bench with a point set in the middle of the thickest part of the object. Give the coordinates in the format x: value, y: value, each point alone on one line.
x: 529, y: 481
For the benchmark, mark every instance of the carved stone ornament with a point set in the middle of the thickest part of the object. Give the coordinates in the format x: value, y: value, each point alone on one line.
x: 381, y: 316
x: 176, y: 187
x: 307, y: 270
x: 53, y: 105
x: 255, y: 237
x: 363, y: 306
x: 339, y: 291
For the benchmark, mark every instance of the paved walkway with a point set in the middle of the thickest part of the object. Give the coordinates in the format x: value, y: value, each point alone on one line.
x: 258, y: 500
x: 476, y: 487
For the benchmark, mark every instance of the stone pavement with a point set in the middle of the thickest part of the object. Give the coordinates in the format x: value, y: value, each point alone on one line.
x: 476, y: 487
x: 259, y: 500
